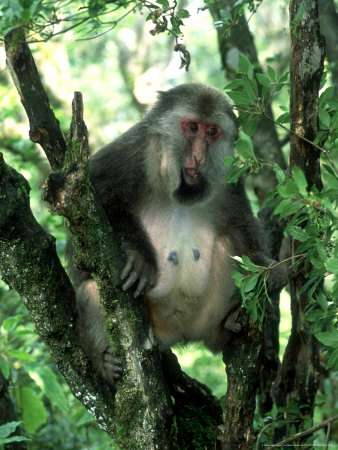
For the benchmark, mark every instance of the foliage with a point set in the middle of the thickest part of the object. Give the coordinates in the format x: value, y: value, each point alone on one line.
x: 48, y: 411
x: 311, y: 214
x: 6, y: 430
x: 230, y: 18
x: 91, y: 18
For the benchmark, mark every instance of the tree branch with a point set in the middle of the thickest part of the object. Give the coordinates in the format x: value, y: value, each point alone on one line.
x: 30, y: 265
x: 44, y: 127
x: 305, y: 433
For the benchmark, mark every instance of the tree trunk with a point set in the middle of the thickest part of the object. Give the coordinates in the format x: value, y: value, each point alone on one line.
x: 300, y: 369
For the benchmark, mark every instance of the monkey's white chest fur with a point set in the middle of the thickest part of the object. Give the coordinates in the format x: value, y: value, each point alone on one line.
x: 190, y: 297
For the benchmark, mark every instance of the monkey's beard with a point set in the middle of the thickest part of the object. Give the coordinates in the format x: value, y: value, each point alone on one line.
x: 190, y: 193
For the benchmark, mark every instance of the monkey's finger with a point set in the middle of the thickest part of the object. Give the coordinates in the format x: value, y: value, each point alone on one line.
x: 140, y: 287
x: 127, y: 268
x: 130, y: 281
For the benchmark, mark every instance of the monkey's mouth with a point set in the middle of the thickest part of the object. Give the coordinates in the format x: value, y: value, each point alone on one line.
x: 191, y: 175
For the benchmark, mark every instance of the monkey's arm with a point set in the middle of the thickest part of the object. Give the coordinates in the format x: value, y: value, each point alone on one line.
x: 247, y: 235
x: 118, y: 176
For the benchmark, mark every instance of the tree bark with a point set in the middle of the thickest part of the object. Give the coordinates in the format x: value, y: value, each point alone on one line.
x: 243, y: 365
x: 300, y: 369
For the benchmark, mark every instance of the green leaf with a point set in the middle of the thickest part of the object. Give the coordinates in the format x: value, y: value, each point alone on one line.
x: 322, y: 302
x: 272, y: 73
x: 285, y: 208
x: 280, y: 175
x: 334, y: 122
x: 328, y: 338
x: 263, y: 80
x: 300, y: 180
x: 237, y: 276
x: 314, y: 315
x: 228, y: 161
x: 274, y: 411
x: 10, y: 323
x: 248, y: 264
x: 284, y: 118
x: 298, y: 233
x: 284, y: 77
x: 234, y: 174
x: 332, y: 265
x: 324, y: 119
x: 183, y: 13
x: 163, y: 3
x: 326, y: 95
x: 248, y: 90
x: 45, y: 378
x: 33, y: 410
x: 244, y: 146
x: 8, y: 428
x: 240, y: 98
x: 287, y: 189
x: 300, y: 12
x: 5, y: 368
x: 332, y: 362
x: 238, y: 82
x: 21, y: 355
x: 331, y: 180
x: 250, y: 282
x: 245, y: 66
x: 250, y: 127
x: 13, y: 439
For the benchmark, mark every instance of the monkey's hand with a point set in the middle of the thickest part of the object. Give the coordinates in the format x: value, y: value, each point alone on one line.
x: 277, y: 278
x: 137, y: 271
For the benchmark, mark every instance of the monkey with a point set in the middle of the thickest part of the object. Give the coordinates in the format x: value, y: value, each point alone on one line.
x: 162, y: 186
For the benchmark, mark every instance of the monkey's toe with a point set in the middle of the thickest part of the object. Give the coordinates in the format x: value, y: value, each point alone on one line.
x: 111, y: 365
x: 231, y: 323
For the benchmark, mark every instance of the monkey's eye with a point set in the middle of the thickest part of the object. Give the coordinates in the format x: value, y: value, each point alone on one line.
x: 212, y: 131
x: 193, y: 126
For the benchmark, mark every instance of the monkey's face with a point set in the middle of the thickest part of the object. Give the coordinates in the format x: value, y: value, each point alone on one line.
x: 196, y: 130
x: 199, y: 136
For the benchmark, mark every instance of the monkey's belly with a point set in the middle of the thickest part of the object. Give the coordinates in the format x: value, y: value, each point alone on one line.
x: 193, y: 281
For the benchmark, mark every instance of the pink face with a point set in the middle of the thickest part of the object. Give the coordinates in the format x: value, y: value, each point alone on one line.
x: 199, y: 136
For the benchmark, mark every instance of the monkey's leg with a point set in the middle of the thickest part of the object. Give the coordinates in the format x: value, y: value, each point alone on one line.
x: 93, y: 337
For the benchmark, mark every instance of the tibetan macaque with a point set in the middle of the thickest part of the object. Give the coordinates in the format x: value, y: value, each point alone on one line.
x: 162, y: 186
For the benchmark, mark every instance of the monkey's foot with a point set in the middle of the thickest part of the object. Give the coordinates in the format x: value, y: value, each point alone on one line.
x: 111, y: 366
x: 230, y: 326
x: 231, y: 322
